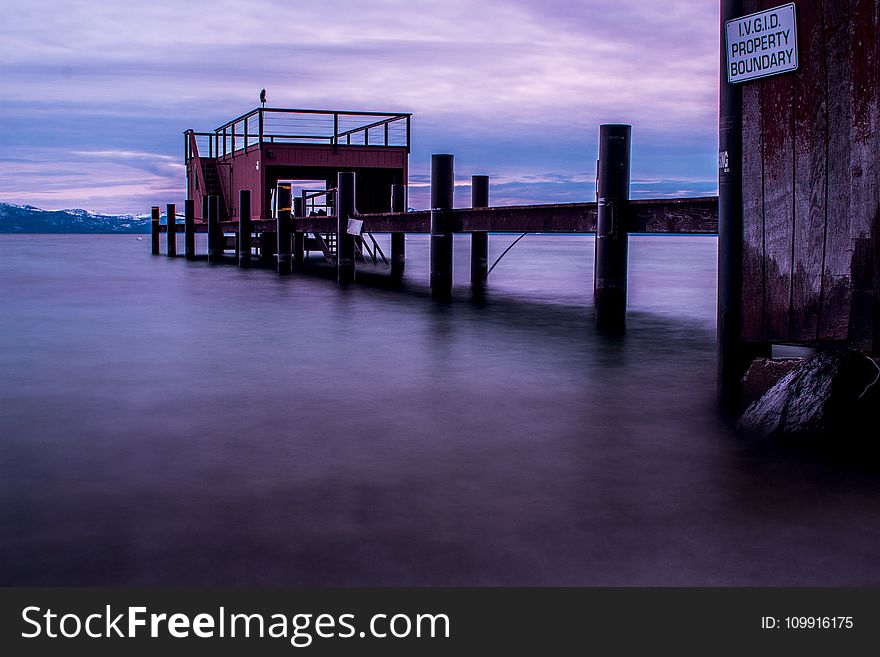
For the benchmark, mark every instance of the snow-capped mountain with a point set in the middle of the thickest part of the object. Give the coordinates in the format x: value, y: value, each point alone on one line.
x: 28, y: 219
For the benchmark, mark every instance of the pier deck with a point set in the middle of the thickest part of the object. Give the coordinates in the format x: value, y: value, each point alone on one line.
x: 677, y: 215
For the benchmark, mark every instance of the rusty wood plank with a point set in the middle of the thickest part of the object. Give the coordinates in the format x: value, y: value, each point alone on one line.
x: 778, y: 115
x: 811, y: 137
x: 685, y: 215
x: 682, y: 215
x: 753, y: 306
x: 836, y: 292
x: 554, y: 218
x: 409, y: 222
x: 865, y: 172
x: 199, y: 227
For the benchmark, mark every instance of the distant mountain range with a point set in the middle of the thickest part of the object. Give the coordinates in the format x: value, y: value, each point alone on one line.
x: 28, y: 219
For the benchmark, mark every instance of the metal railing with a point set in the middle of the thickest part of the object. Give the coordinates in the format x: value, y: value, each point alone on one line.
x: 317, y: 202
x: 301, y: 126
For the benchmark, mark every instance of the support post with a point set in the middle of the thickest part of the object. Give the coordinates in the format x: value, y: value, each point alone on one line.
x: 398, y: 240
x: 171, y: 230
x: 612, y: 231
x: 267, y: 249
x: 215, y: 235
x: 299, y: 238
x: 479, y: 239
x: 733, y: 356
x: 442, y: 179
x: 189, y: 229
x: 244, y: 228
x: 282, y: 232
x: 205, y: 215
x: 154, y: 230
x: 345, y: 209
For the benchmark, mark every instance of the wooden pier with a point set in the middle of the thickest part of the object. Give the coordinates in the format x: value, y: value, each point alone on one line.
x: 343, y: 232
x: 243, y: 173
x: 798, y: 211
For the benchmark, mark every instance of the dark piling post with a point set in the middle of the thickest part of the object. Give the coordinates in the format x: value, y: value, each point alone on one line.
x: 171, y: 228
x: 215, y: 235
x: 398, y: 240
x: 282, y: 229
x: 345, y: 209
x: 479, y: 239
x: 267, y: 249
x: 205, y: 213
x: 244, y: 228
x: 612, y: 230
x: 299, y: 237
x: 189, y: 229
x: 154, y: 230
x: 733, y: 355
x: 442, y: 180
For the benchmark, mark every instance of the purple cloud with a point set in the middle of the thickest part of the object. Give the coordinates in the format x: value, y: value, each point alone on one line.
x: 515, y: 89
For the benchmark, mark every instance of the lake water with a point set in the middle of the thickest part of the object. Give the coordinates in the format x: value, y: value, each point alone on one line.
x: 173, y: 422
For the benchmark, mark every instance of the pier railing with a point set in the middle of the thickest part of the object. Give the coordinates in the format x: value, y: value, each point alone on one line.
x: 303, y: 126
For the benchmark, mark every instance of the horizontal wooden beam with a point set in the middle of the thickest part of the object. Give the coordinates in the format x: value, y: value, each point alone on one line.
x: 676, y: 215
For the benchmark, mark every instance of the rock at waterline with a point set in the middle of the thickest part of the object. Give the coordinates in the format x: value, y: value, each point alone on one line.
x: 763, y: 374
x: 820, y: 395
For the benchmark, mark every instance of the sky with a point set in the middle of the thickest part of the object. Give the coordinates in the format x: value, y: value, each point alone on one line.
x: 95, y: 96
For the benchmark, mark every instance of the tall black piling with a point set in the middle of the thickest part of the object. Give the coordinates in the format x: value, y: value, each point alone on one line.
x: 442, y: 181
x: 171, y: 228
x: 205, y: 204
x: 398, y: 239
x: 282, y: 232
x: 479, y: 239
x: 154, y: 230
x: 282, y: 229
x: 345, y: 210
x: 612, y: 229
x: 733, y: 355
x: 215, y: 234
x: 299, y: 237
x: 189, y: 229
x: 245, y: 229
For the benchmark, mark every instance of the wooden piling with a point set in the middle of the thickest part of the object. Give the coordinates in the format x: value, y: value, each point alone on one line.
x: 479, y: 239
x: 154, y: 230
x: 282, y: 232
x: 283, y: 227
x: 442, y: 180
x: 345, y: 210
x: 398, y: 239
x: 171, y: 230
x: 299, y: 237
x: 612, y: 230
x: 244, y: 228
x: 215, y: 234
x: 268, y: 242
x: 189, y: 229
x: 734, y: 355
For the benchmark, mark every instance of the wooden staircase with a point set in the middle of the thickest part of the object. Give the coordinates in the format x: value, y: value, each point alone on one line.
x: 213, y: 184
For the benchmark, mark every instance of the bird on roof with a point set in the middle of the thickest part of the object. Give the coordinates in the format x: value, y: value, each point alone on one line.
x: 263, y: 97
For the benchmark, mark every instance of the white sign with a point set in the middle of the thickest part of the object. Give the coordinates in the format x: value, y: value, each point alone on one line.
x: 355, y: 227
x: 761, y: 44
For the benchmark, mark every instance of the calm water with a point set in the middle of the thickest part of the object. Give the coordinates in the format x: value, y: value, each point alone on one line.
x: 165, y: 422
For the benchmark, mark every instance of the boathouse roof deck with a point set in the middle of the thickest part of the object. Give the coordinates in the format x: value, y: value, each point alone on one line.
x: 268, y: 145
x: 273, y: 125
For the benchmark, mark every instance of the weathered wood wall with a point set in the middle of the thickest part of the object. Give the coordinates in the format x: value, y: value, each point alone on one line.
x: 811, y: 184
